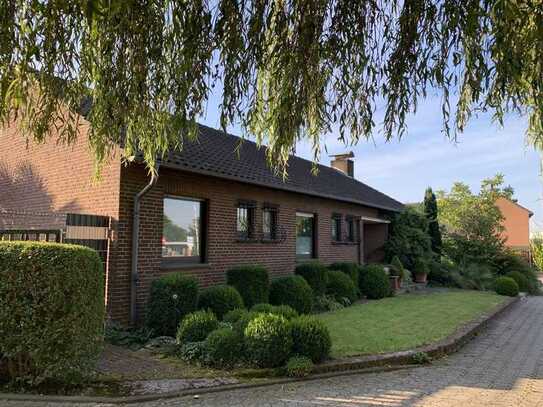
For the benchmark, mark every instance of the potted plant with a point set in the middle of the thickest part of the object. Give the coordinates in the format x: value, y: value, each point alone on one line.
x: 394, y: 277
x: 397, y: 269
x: 420, y: 269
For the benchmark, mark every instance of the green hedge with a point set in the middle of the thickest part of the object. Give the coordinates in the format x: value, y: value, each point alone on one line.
x: 521, y: 280
x: 51, y: 310
x: 374, y: 282
x: 315, y: 274
x: 506, y: 286
x: 220, y: 299
x: 284, y: 310
x: 268, y: 340
x: 341, y: 288
x: 293, y: 291
x: 351, y: 269
x: 252, y: 282
x: 171, y: 298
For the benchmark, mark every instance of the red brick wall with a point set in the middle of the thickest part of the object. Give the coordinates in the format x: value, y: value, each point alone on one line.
x: 223, y: 249
x: 43, y: 182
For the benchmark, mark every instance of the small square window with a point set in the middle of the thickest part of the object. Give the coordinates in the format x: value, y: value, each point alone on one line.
x: 269, y: 223
x: 245, y: 220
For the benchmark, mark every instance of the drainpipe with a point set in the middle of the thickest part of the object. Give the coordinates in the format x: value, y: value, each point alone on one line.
x: 134, y: 276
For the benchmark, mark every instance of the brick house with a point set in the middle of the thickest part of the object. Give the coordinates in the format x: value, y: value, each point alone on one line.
x: 516, y: 224
x: 207, y: 211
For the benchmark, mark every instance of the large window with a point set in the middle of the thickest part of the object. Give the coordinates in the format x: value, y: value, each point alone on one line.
x: 269, y: 223
x: 182, y: 231
x: 245, y: 224
x: 305, y: 235
x: 336, y: 227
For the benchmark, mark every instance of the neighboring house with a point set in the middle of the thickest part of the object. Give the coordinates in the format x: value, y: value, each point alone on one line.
x: 207, y: 212
x: 516, y: 225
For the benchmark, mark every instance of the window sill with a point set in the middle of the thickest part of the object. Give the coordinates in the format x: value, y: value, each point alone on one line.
x: 247, y: 240
x: 182, y: 265
x: 270, y: 241
x: 346, y: 243
x: 306, y: 259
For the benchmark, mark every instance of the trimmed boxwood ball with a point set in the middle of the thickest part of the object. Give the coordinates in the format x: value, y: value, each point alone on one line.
x: 341, y: 287
x: 244, y: 320
x: 293, y: 291
x: 233, y: 316
x: 262, y: 307
x: 171, y: 298
x: 351, y: 269
x: 51, y: 311
x: 283, y: 310
x: 315, y: 274
x: 252, y: 282
x: 506, y: 286
x: 374, y: 283
x: 220, y: 299
x: 196, y: 327
x: 310, y: 338
x: 268, y: 340
x: 521, y: 280
x: 224, y: 347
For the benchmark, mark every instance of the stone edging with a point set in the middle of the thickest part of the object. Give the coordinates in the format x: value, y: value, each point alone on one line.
x: 355, y: 365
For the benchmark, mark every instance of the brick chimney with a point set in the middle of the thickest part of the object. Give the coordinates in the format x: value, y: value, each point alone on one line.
x: 344, y: 163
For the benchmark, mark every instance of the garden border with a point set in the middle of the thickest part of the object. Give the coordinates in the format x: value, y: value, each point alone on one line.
x: 342, y: 367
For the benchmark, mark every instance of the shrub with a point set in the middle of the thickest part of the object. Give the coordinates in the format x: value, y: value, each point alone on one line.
x: 262, y: 307
x: 316, y: 276
x: 220, y: 299
x: 293, y: 291
x: 520, y: 279
x: 196, y: 326
x: 351, y: 269
x: 224, y: 347
x: 283, y: 310
x: 252, y: 283
x: 506, y: 286
x: 299, y: 366
x: 324, y: 303
x: 268, y: 340
x: 51, y: 310
x: 396, y: 267
x: 310, y: 338
x: 194, y: 352
x: 171, y: 298
x: 374, y: 283
x: 233, y: 316
x: 243, y: 321
x: 341, y: 288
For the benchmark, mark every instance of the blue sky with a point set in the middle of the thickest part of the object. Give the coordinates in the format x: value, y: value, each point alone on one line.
x: 424, y: 157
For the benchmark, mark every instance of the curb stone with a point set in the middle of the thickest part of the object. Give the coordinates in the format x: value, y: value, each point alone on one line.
x: 355, y: 365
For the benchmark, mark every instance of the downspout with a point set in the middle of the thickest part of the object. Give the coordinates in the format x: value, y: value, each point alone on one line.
x: 134, y: 275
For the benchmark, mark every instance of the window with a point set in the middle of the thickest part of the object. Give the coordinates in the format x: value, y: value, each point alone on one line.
x: 269, y: 223
x: 351, y: 229
x: 305, y: 235
x: 336, y: 227
x: 245, y: 220
x: 182, y: 231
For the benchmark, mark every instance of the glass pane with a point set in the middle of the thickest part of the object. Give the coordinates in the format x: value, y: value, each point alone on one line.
x: 181, y: 234
x: 304, y: 236
x: 243, y: 220
x: 335, y: 234
x: 266, y: 223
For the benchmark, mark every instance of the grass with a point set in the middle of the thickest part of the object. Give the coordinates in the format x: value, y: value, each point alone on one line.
x: 404, y: 322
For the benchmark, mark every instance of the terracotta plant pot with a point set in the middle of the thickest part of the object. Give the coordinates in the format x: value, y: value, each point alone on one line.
x: 420, y: 277
x: 394, y: 282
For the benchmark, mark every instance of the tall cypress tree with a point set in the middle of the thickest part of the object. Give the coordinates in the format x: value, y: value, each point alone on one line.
x: 430, y: 211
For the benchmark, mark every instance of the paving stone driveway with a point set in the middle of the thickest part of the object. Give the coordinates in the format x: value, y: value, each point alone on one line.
x: 502, y: 367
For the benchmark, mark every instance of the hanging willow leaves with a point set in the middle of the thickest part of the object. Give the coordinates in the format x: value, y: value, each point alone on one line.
x: 288, y: 69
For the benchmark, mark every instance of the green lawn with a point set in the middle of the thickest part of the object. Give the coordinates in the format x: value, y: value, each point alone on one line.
x: 403, y: 322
